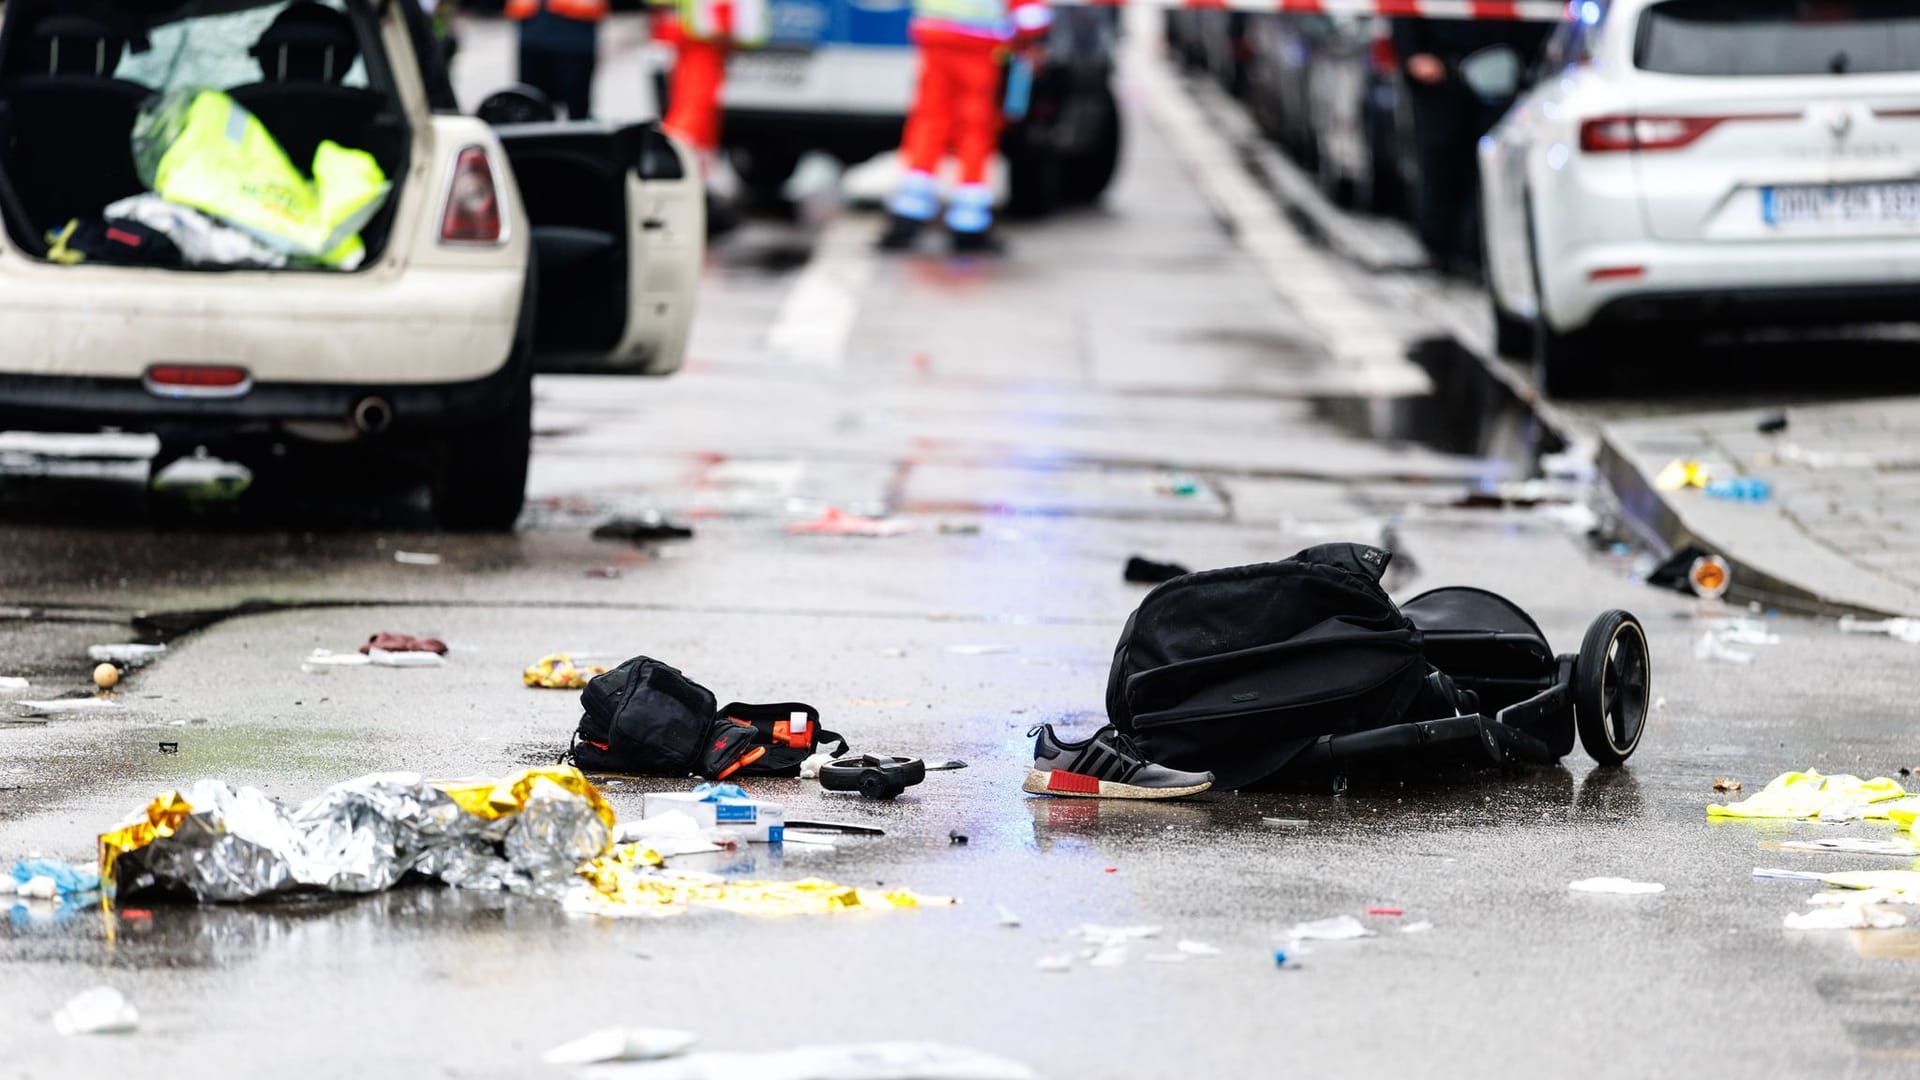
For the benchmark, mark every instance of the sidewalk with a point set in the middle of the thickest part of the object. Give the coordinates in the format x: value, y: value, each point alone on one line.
x: 1841, y: 531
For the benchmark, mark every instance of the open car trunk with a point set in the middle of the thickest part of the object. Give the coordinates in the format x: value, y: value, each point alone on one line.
x: 75, y: 76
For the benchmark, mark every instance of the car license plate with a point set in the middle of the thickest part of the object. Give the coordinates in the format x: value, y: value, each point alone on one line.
x: 1841, y: 204
x: 770, y: 67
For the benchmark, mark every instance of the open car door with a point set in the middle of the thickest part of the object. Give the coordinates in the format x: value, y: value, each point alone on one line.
x: 619, y: 230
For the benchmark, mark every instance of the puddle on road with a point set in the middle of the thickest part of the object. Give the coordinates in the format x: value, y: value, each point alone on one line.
x: 1469, y: 413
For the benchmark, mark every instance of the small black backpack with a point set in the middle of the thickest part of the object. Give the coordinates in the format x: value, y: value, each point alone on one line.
x: 1237, y: 671
x: 645, y: 718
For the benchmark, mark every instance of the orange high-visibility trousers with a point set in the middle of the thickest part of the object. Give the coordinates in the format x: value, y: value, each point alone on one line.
x: 957, y: 108
x: 693, y: 114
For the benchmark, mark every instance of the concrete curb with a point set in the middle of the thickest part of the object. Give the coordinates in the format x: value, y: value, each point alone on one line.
x: 1774, y: 561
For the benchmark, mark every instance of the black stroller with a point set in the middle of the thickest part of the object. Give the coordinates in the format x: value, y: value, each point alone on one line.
x: 1291, y: 672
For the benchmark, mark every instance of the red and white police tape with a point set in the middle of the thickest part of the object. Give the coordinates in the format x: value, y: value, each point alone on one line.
x: 1507, y: 10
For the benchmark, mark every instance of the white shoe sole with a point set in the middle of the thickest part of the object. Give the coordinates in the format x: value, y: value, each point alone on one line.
x: 1074, y: 785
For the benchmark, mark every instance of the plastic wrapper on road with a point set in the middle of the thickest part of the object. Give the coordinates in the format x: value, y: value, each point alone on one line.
x: 213, y: 842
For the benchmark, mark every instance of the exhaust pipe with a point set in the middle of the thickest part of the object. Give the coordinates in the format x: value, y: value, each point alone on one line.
x: 372, y: 415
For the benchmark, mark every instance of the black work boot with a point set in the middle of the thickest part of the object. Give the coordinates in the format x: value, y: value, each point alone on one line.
x: 984, y: 242
x: 900, y: 235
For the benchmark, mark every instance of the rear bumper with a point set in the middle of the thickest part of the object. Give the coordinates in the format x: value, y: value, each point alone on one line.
x: 1774, y: 284
x: 88, y: 403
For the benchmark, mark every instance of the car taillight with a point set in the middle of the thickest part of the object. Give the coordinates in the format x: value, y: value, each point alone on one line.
x: 1381, y: 55
x: 473, y: 206
x: 198, y: 380
x: 1607, y: 134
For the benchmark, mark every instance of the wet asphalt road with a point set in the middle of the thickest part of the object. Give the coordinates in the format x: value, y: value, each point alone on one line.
x: 1049, y: 402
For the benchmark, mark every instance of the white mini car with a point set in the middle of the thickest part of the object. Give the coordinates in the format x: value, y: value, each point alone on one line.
x: 501, y: 249
x: 1706, y: 163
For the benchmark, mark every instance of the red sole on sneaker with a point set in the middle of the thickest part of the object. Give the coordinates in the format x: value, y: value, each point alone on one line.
x: 1056, y: 782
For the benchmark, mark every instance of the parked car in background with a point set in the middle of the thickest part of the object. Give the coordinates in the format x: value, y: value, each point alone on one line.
x: 1281, y: 50
x: 1352, y: 105
x: 1693, y: 163
x: 497, y: 250
x: 838, y: 76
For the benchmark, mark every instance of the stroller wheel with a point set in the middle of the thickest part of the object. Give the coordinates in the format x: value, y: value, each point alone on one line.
x: 1612, y: 687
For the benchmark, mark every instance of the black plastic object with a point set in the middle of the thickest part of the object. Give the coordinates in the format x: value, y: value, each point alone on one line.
x: 873, y: 776
x: 644, y: 529
x: 1142, y: 571
x: 1674, y: 573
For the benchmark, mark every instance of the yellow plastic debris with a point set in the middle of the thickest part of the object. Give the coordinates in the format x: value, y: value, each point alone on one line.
x: 1812, y: 795
x: 494, y: 799
x: 624, y: 883
x: 557, y: 672
x: 1900, y: 881
x: 164, y: 815
x: 1679, y: 474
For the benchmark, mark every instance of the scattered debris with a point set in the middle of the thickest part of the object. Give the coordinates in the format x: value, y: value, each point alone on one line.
x: 62, y: 706
x: 648, y: 528
x: 1855, y: 915
x: 1055, y: 964
x: 621, y: 1044
x: 99, y: 1011
x: 1677, y: 474
x: 1144, y: 571
x: 1108, y: 946
x: 62, y: 878
x: 416, y: 558
x: 1007, y: 918
x: 1772, y: 424
x: 979, y: 650
x: 1743, y: 631
x: 12, y: 682
x: 1855, y: 845
x: 1615, y: 885
x: 1810, y: 795
x: 1286, y: 822
x: 1904, y: 629
x: 415, y: 658
x: 106, y: 676
x: 841, y: 827
x: 955, y: 838
x: 1711, y: 647
x: 1741, y: 489
x: 1420, y: 927
x: 1177, y: 485
x: 625, y: 883
x: 321, y: 661
x: 1692, y: 570
x: 129, y: 655
x: 959, y: 528
x: 1197, y: 948
x: 605, y: 573
x: 836, y: 523
x: 1387, y: 912
x: 1726, y: 785
x: 1334, y: 928
x: 558, y: 672
x: 1279, y: 958
x: 169, y: 747
x: 862, y: 1061
x: 1793, y: 454
x: 389, y: 641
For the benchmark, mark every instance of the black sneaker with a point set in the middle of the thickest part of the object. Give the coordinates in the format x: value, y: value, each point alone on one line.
x: 900, y: 235
x: 1106, y: 766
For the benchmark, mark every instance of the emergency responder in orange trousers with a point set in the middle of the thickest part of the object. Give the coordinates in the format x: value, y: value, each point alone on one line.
x: 704, y: 33
x: 963, y: 46
x: 558, y: 40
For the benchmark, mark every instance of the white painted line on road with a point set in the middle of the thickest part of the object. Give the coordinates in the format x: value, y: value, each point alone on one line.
x: 1373, y: 359
x: 817, y: 317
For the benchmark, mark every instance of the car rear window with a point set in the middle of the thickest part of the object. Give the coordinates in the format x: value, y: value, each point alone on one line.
x: 1779, y: 37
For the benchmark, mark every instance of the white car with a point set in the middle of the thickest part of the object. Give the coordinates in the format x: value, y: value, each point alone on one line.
x: 499, y: 250
x: 1690, y: 163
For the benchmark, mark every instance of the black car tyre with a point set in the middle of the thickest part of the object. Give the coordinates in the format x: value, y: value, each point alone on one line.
x: 1086, y: 175
x: 480, y: 471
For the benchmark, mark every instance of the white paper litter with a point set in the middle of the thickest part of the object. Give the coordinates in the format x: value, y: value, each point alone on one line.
x: 99, y: 1011
x: 1743, y: 631
x: 1197, y: 948
x: 1007, y: 918
x: 1710, y: 647
x: 38, y: 888
x: 854, y: 1061
x: 1906, y: 629
x: 383, y: 658
x: 1416, y: 927
x: 416, y: 558
x: 978, y: 650
x: 12, y: 682
x: 1055, y: 964
x: 324, y: 658
x: 1855, y: 916
x: 1108, y: 956
x: 1770, y: 873
x: 130, y: 655
x: 1855, y: 845
x: 1620, y: 886
x: 59, y: 706
x: 621, y: 1044
x: 669, y: 834
x: 1335, y: 928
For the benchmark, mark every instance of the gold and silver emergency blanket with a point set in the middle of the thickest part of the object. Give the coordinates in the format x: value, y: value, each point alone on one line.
x: 214, y: 842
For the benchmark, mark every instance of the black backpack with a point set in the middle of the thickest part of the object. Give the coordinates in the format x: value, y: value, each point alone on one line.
x: 1237, y: 671
x: 645, y: 718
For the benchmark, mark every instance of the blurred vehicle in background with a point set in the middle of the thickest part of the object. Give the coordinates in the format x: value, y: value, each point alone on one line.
x: 1456, y: 78
x: 1352, y: 102
x: 1704, y: 164
x: 837, y: 77
x: 1280, y: 54
x: 1224, y: 46
x: 499, y: 248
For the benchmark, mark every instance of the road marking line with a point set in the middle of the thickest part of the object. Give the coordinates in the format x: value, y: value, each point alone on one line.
x: 817, y: 317
x: 1349, y: 329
